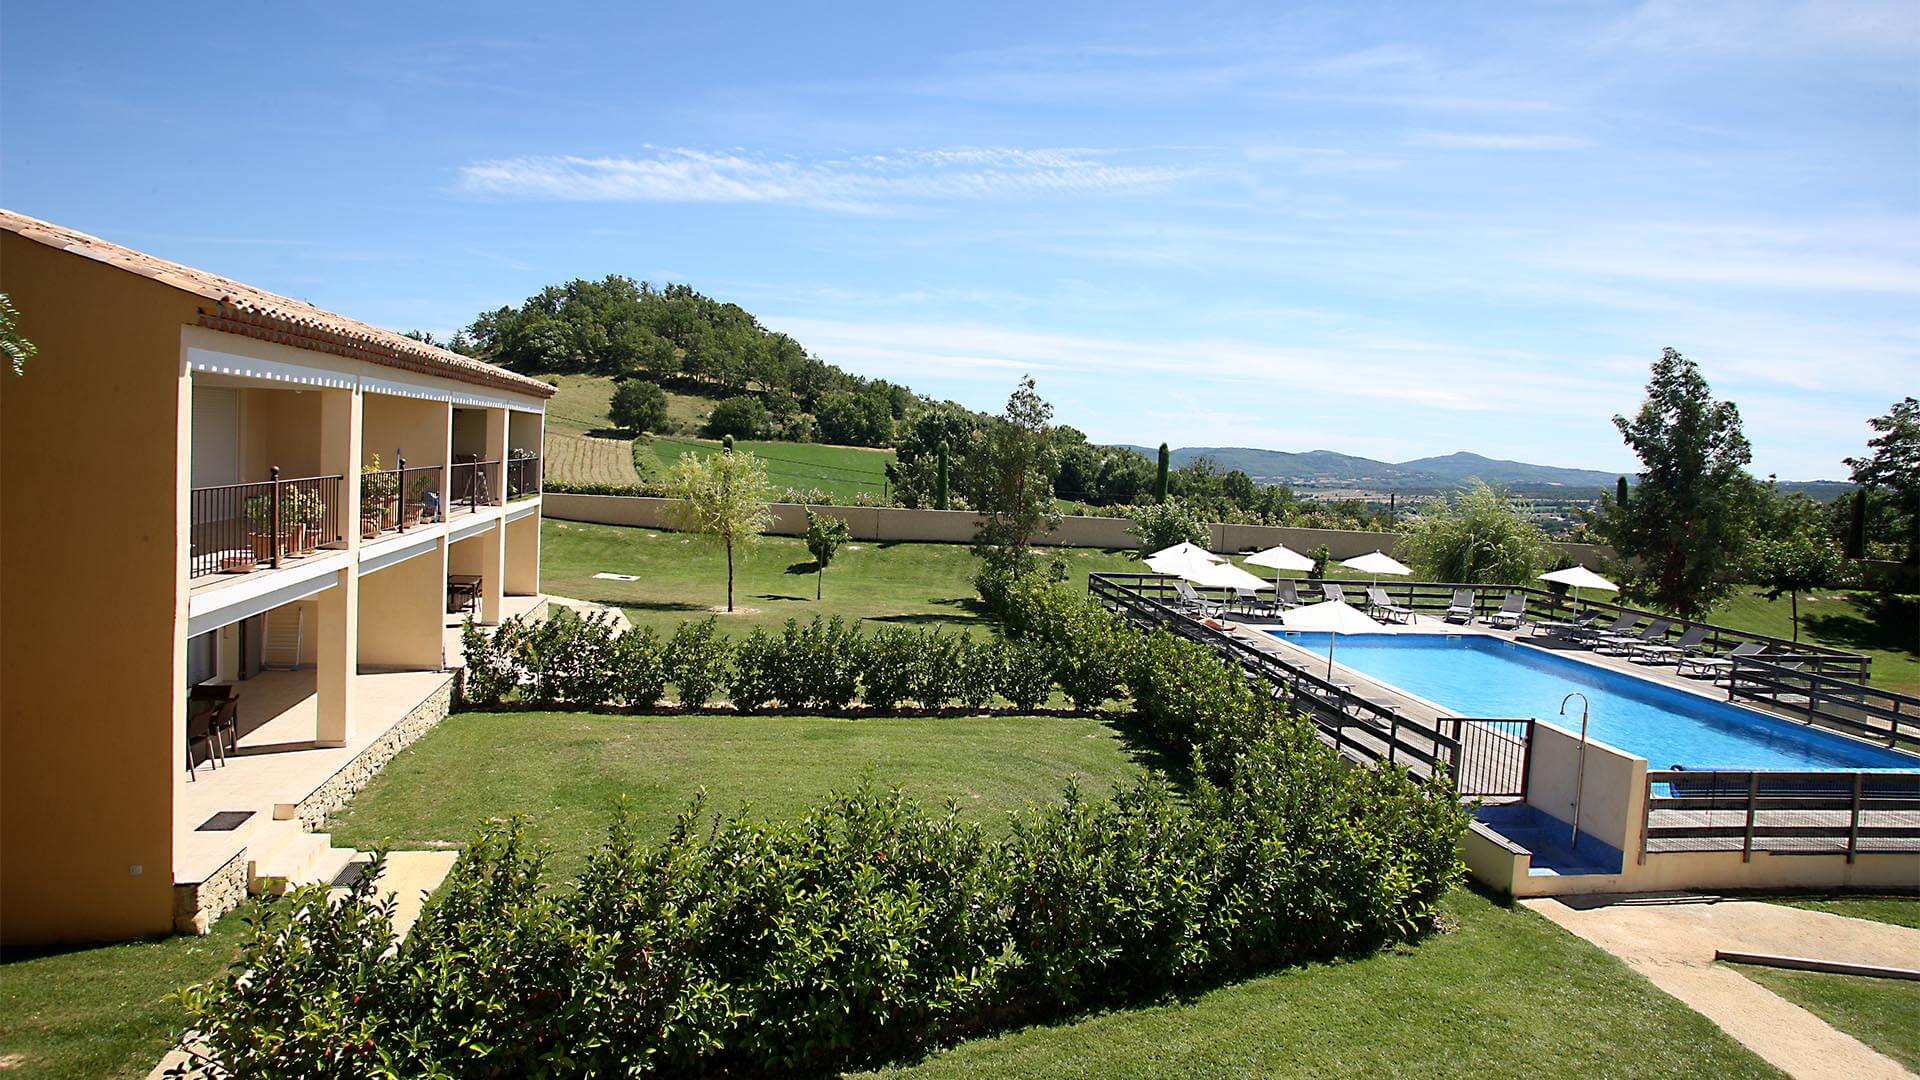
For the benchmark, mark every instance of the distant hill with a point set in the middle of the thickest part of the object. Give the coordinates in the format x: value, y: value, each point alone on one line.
x: 1325, y: 468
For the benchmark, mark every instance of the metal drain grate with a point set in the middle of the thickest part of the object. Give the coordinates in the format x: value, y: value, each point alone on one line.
x: 225, y: 821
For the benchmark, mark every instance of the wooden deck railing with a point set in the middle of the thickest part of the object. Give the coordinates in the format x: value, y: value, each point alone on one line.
x: 1802, y: 813
x: 1479, y: 757
x: 1881, y: 715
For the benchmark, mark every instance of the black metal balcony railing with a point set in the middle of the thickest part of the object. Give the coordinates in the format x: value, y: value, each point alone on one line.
x: 237, y: 528
x: 523, y: 477
x: 473, y: 484
x: 395, y: 500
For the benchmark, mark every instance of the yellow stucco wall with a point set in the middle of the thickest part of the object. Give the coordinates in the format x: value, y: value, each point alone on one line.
x: 523, y: 556
x: 279, y: 427
x: 414, y: 428
x: 401, y: 614
x: 92, y: 639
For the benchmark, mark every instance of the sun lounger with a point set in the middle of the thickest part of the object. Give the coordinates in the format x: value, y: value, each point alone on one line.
x: 1564, y: 628
x: 1190, y: 601
x: 1250, y: 602
x: 1624, y: 644
x: 1512, y: 610
x: 1286, y: 594
x: 1378, y: 602
x: 1696, y: 666
x: 1333, y: 592
x: 1660, y: 652
x: 1591, y: 636
x: 1461, y: 608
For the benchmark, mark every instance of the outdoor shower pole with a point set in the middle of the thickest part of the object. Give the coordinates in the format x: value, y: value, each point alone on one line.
x: 1580, y: 767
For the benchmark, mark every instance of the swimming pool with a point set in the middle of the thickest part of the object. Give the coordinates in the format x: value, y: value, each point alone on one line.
x: 1488, y: 677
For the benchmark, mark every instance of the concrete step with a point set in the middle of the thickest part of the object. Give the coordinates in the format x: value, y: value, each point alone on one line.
x: 284, y: 857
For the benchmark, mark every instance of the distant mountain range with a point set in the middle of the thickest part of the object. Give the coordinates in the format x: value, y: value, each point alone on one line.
x: 1325, y: 468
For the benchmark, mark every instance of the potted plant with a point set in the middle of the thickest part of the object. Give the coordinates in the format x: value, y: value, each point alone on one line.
x: 377, y: 489
x: 304, y: 508
x: 260, y: 517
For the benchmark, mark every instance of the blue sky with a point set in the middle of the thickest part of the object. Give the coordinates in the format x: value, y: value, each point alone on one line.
x: 1390, y: 230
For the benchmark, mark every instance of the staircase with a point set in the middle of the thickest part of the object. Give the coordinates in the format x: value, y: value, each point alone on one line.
x: 282, y: 856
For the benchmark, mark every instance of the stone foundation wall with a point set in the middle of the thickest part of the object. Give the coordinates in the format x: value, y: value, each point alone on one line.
x: 356, y: 774
x: 196, y: 907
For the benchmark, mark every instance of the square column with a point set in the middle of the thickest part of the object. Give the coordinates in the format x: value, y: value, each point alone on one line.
x: 337, y: 619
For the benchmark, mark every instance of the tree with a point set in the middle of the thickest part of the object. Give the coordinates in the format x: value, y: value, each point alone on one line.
x: 1162, y: 525
x: 1483, y: 537
x: 740, y: 417
x: 1793, y: 564
x: 639, y: 406
x: 1857, y: 525
x: 1160, y: 474
x: 722, y: 497
x: 940, y: 479
x: 825, y: 534
x: 18, y: 350
x: 1687, y: 518
x: 1894, y: 465
x: 1012, y: 468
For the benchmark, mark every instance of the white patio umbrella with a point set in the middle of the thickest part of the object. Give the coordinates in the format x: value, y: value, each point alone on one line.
x: 1182, y: 560
x: 1227, y: 576
x: 1280, y: 558
x: 1376, y: 564
x: 1336, y: 617
x: 1579, y: 577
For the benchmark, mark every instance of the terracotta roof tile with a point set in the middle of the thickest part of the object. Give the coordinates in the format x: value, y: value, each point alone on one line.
x: 242, y: 309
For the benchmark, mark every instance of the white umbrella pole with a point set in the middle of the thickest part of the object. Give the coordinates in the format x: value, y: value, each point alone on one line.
x: 1331, y: 639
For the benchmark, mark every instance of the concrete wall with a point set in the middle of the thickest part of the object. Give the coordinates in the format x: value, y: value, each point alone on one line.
x: 957, y: 526
x: 93, y: 466
x: 400, y: 615
x: 1613, y: 798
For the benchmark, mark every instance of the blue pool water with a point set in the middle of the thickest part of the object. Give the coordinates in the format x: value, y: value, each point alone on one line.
x: 1488, y: 677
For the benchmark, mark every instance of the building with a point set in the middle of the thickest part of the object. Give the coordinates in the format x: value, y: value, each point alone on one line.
x: 211, y: 492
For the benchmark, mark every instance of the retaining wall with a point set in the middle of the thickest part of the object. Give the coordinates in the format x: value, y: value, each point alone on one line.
x: 957, y: 527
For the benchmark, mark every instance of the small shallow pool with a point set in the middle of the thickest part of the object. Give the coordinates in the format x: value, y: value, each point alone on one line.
x: 1488, y: 677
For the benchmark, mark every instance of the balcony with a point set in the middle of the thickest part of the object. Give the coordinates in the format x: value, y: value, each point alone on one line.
x: 240, y: 528
x: 523, y: 477
x: 395, y: 500
x: 473, y: 484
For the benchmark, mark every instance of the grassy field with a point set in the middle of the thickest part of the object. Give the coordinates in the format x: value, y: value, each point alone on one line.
x: 100, y: 1011
x: 1898, y: 910
x: 565, y: 770
x: 1886, y: 628
x: 681, y: 577
x: 840, y: 471
x: 1883, y: 1013
x: 1506, y: 994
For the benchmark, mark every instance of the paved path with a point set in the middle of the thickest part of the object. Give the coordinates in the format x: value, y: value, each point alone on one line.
x: 1672, y: 940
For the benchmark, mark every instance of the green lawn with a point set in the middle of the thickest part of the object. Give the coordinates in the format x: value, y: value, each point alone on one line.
x: 681, y: 577
x: 840, y: 471
x: 1506, y: 994
x: 565, y: 770
x: 1886, y: 628
x: 1883, y: 1013
x: 99, y: 1011
x: 1898, y: 910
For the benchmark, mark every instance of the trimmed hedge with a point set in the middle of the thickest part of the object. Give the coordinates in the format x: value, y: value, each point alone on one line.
x: 871, y: 928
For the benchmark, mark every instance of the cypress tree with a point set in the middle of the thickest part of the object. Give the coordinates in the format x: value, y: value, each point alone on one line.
x: 1620, y: 493
x: 940, y: 478
x: 1160, y: 475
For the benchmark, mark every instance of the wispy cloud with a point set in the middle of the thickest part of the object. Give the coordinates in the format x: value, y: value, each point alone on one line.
x: 1484, y: 140
x: 863, y: 182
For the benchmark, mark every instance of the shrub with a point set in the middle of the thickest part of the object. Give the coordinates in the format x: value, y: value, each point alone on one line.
x: 581, y: 669
x: 977, y: 670
x: 1026, y: 672
x: 830, y: 659
x: 1162, y: 525
x: 639, y: 668
x: 756, y: 674
x: 937, y: 671
x: 698, y: 659
x: 639, y: 406
x: 1092, y: 652
x: 490, y: 672
x: 892, y: 659
x: 742, y: 417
